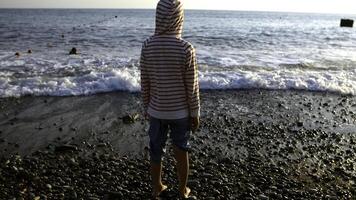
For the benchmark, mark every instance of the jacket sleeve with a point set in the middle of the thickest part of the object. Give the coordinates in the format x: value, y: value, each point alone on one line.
x: 145, y: 83
x: 192, y: 82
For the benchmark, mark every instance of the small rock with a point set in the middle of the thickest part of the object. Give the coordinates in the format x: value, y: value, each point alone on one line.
x: 15, y: 168
x: 74, y: 195
x: 262, y: 197
x: 194, y: 183
x: 101, y: 144
x: 300, y: 124
x: 130, y: 119
x: 72, y: 160
x: 66, y: 148
x: 108, y: 174
x: 48, y: 186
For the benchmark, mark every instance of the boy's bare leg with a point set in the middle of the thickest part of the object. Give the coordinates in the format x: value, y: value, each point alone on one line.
x: 182, y: 170
x: 158, y: 187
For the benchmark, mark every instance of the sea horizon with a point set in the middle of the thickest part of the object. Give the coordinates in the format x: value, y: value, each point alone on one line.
x: 215, y: 10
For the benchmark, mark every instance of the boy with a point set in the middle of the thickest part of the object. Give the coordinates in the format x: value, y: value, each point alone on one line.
x: 170, y: 91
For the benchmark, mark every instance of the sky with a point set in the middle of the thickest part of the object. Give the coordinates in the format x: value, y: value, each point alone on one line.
x: 319, y: 6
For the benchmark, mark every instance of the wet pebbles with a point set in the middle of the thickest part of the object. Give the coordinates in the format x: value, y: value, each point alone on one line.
x: 251, y: 145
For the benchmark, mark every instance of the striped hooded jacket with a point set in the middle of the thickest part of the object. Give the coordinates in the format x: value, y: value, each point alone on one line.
x: 169, y: 74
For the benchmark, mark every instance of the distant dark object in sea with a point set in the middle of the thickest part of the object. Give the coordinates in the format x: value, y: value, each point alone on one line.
x: 73, y: 51
x: 115, y: 16
x: 17, y: 54
x: 347, y: 23
x: 29, y: 51
x: 62, y: 35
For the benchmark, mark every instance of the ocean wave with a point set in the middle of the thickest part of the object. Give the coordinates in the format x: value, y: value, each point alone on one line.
x: 95, y: 82
x: 340, y: 82
x: 128, y: 79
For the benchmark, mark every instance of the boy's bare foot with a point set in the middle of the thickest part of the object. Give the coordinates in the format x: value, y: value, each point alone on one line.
x: 158, y: 191
x: 185, y: 193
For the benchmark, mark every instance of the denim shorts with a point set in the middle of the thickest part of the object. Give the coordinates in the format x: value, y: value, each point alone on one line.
x: 159, y: 128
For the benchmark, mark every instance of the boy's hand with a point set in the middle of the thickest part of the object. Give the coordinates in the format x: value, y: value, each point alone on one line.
x: 194, y: 123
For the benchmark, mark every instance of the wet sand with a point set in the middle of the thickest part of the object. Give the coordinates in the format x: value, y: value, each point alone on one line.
x: 252, y: 144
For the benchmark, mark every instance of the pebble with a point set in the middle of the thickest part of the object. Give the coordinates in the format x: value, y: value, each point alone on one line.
x: 300, y: 123
x: 268, y: 162
x: 63, y: 148
x: 130, y: 119
x: 262, y: 197
x: 48, y: 186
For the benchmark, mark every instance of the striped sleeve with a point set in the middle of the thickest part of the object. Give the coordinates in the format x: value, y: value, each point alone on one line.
x: 145, y: 83
x: 191, y: 82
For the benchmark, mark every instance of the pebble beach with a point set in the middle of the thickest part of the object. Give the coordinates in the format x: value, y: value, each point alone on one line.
x: 252, y: 144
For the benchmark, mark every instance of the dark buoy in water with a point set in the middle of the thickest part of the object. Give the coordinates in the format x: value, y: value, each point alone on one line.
x: 116, y: 16
x: 29, y: 51
x: 347, y: 23
x: 17, y: 54
x: 62, y: 35
x: 73, y: 51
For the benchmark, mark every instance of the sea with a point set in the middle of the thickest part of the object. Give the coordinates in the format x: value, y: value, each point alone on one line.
x: 235, y: 50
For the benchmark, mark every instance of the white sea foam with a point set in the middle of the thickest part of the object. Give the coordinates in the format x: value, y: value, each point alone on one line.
x: 96, y: 82
x: 126, y: 79
x: 340, y: 82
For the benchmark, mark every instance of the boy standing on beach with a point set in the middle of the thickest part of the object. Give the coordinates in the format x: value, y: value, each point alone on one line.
x: 170, y: 91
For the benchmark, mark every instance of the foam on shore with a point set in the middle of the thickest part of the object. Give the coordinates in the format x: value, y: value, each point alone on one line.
x: 128, y: 79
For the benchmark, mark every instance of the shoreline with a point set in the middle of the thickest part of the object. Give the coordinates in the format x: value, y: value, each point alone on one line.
x: 324, y: 92
x: 257, y: 144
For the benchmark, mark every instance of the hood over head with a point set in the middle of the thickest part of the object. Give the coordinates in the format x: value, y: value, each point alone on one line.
x: 169, y: 18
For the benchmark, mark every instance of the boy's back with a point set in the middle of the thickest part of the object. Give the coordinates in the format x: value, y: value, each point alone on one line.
x: 169, y: 73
